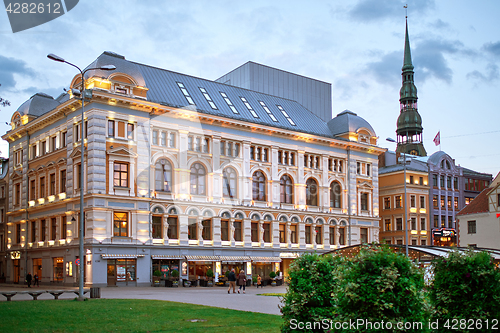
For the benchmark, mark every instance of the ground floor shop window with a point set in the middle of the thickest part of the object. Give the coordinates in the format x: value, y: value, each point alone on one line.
x: 58, y: 268
x: 166, y: 267
x: 262, y: 269
x: 37, y: 268
x: 198, y: 269
x: 121, y: 270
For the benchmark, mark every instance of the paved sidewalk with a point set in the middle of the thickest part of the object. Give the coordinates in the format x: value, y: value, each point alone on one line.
x: 213, y: 296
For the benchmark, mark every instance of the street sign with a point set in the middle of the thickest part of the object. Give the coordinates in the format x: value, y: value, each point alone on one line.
x: 77, y: 262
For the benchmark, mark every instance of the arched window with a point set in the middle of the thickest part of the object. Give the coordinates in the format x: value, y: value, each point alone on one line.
x: 259, y: 186
x: 311, y: 192
x: 198, y: 181
x: 229, y: 183
x: 335, y: 195
x: 163, y: 175
x: 286, y: 189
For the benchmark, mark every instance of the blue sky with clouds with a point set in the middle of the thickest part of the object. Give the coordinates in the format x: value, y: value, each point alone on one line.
x: 355, y: 45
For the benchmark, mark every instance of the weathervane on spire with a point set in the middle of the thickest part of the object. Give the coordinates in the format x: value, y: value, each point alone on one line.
x: 406, y: 10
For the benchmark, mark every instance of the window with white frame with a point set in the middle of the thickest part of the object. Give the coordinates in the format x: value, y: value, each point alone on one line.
x: 163, y: 175
x: 121, y: 129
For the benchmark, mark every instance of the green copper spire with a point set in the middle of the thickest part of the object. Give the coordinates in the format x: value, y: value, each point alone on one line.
x: 409, y: 130
x: 407, y: 65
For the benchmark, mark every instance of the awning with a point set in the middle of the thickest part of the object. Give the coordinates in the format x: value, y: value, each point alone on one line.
x: 165, y: 256
x: 202, y: 258
x: 234, y: 259
x: 266, y: 259
x: 121, y: 256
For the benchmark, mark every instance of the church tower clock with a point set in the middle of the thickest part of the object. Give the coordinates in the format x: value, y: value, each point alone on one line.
x: 409, y: 130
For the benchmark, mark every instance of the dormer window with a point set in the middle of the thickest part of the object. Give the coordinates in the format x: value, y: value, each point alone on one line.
x: 121, y: 90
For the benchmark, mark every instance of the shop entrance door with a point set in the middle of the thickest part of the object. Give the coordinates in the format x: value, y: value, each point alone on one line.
x: 111, y: 275
x: 17, y: 270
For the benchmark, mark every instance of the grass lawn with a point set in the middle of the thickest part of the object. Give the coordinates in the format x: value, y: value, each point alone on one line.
x: 124, y: 315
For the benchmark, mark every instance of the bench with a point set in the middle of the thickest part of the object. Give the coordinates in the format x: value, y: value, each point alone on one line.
x: 9, y: 294
x: 56, y: 293
x: 33, y: 294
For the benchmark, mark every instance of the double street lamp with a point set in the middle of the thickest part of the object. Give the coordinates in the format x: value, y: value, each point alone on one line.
x: 83, y: 94
x: 404, y: 203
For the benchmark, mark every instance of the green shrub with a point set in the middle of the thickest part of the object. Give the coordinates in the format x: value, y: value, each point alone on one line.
x: 210, y: 273
x: 381, y: 285
x: 272, y: 275
x: 254, y: 279
x: 312, y: 281
x: 466, y: 286
x: 157, y: 273
x: 175, y: 273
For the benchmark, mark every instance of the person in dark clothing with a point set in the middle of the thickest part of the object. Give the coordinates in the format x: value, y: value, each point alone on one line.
x: 36, y: 280
x: 242, y: 281
x: 232, y: 281
x: 28, y: 279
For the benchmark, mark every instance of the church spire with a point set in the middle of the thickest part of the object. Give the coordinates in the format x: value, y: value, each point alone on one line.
x: 409, y: 131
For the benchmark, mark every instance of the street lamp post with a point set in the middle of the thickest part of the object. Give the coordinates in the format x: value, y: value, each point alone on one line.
x: 82, y: 125
x: 404, y: 202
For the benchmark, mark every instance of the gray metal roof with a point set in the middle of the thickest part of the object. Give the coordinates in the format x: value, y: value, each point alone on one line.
x: 37, y: 105
x: 163, y: 88
x: 347, y: 121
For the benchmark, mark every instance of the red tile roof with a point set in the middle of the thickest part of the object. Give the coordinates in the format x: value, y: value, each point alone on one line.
x: 478, y: 205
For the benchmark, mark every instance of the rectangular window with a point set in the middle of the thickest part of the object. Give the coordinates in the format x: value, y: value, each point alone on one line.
x: 43, y: 231
x: 441, y: 181
x: 455, y: 183
x: 413, y: 223
x: 33, y: 231
x: 32, y: 190
x: 387, y: 203
x: 448, y: 182
x: 455, y: 202
x: 398, y: 201
x: 341, y: 236
x: 120, y: 176
x: 53, y: 184
x: 423, y: 242
x: 450, y: 222
x: 434, y: 180
x: 120, y: 224
x: 282, y: 233
x: 63, y: 181
x: 63, y: 139
x: 155, y: 138
x: 17, y: 195
x: 399, y: 223
x: 364, y: 201
x: 471, y: 227
x: 229, y: 103
x: 185, y: 93
x: 269, y: 113
x: 192, y: 228
x: 44, y: 148
x: 171, y: 140
x: 422, y: 202
x: 332, y: 235
x: 77, y: 177
x: 53, y: 145
x: 449, y: 202
x: 111, y: 128
x: 33, y: 151
x: 411, y: 180
x: 249, y: 107
x: 237, y: 231
x: 224, y: 230
x: 435, y: 201
x: 286, y: 115
x: 53, y: 228
x: 293, y: 234
x: 64, y: 227
x: 443, y: 221
x: 413, y: 242
x: 208, y: 98
x: 364, y: 235
x: 388, y: 225
x: 421, y: 180
x: 130, y: 131
x: 443, y: 202
x: 163, y: 139
x: 172, y: 232
x: 319, y: 234
x: 308, y: 234
x: 42, y: 187
x: 413, y: 203
x: 18, y: 233
x: 422, y: 223
x: 206, y: 233
x: 156, y: 231
x: 255, y: 232
x: 86, y: 129
x: 436, y: 221
x: 267, y: 232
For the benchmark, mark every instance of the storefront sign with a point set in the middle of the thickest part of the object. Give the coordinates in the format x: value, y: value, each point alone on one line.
x: 15, y: 255
x: 443, y: 232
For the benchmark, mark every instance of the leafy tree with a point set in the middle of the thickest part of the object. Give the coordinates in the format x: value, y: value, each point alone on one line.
x: 466, y: 287
x: 381, y: 285
x: 4, y: 102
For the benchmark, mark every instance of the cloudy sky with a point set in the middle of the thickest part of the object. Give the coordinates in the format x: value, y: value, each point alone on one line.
x: 355, y: 45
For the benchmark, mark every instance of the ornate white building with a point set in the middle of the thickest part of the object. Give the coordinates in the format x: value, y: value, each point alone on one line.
x: 182, y: 173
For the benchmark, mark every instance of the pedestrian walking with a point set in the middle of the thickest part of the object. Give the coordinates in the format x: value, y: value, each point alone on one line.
x: 36, y: 281
x: 232, y: 281
x: 242, y: 281
x: 259, y: 281
x: 28, y: 279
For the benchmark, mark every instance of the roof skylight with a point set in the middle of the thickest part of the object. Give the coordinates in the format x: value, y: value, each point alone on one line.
x: 208, y: 98
x: 186, y: 93
x: 228, y: 101
x: 286, y: 115
x: 271, y: 115
x: 249, y: 107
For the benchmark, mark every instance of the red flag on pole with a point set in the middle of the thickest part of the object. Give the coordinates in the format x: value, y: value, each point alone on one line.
x: 437, y: 139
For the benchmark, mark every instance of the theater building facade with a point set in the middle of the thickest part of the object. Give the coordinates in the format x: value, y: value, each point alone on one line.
x: 181, y: 174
